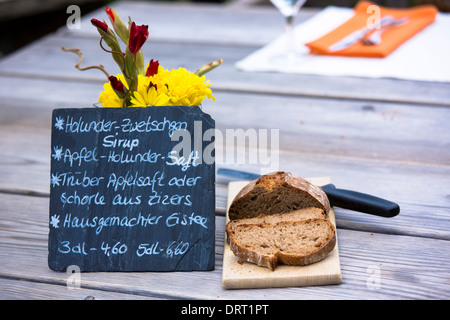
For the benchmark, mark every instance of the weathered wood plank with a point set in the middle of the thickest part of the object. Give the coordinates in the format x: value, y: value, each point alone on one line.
x: 356, y: 129
x: 29, y: 290
x: 45, y: 59
x: 225, y: 25
x: 415, y: 273
x: 373, y: 131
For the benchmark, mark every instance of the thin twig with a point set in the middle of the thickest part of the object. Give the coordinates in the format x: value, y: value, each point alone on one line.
x: 124, y: 72
x: 80, y: 59
x: 120, y: 55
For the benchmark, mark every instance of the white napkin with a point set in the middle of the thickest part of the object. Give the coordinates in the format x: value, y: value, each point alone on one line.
x: 425, y: 57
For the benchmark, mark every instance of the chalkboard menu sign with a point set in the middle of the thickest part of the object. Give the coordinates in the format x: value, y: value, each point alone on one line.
x: 132, y: 189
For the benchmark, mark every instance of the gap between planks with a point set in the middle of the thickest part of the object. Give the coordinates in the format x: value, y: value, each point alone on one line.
x: 248, y: 90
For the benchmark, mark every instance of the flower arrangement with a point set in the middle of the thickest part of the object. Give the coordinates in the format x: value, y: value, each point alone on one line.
x: 141, y: 85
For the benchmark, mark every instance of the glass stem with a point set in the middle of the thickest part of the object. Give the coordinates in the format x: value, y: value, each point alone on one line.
x: 290, y: 41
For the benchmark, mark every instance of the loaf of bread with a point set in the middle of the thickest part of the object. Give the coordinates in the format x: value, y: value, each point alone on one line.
x: 280, y: 218
x: 288, y: 242
x: 275, y: 193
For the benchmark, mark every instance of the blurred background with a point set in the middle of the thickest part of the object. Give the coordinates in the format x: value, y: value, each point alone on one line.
x: 23, y: 21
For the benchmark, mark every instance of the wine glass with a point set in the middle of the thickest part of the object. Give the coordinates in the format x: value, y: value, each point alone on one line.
x: 289, y: 9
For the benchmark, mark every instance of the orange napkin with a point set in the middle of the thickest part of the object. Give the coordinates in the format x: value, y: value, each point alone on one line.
x: 419, y: 17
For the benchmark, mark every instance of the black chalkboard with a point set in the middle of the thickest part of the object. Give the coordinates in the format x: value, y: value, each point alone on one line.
x: 132, y: 189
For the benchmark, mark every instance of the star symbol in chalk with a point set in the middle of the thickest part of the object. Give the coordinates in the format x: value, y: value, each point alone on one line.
x: 54, y: 221
x: 59, y: 123
x: 55, y: 180
x: 58, y: 153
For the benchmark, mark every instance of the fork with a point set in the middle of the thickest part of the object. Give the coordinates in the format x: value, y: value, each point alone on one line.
x: 374, y: 38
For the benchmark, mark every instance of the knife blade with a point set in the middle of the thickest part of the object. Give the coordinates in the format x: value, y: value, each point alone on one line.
x: 347, y: 199
x: 357, y: 35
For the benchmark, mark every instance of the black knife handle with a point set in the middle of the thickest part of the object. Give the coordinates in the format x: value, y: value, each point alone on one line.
x: 361, y: 202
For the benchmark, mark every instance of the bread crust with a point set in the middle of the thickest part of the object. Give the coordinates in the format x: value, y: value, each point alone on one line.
x: 280, y: 179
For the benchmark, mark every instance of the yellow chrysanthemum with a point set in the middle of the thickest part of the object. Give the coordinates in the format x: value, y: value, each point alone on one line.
x: 150, y: 97
x: 186, y: 88
x: 177, y: 87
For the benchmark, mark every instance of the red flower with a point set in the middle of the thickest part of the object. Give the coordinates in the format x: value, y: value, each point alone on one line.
x: 152, y: 85
x: 101, y: 25
x: 110, y: 14
x: 116, y: 84
x: 138, y: 35
x: 152, y: 68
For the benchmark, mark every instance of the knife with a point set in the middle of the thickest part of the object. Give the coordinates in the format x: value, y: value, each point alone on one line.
x: 342, y: 198
x: 357, y: 35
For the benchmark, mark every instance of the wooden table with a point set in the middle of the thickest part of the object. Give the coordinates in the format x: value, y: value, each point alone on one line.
x: 386, y: 137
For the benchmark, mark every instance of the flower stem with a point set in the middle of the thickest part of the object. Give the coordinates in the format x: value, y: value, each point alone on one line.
x: 80, y: 60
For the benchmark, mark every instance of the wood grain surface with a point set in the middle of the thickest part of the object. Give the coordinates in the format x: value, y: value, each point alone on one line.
x: 384, y: 137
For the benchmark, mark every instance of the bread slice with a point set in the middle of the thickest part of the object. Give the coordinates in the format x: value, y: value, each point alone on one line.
x: 275, y: 193
x: 302, y: 214
x: 288, y: 242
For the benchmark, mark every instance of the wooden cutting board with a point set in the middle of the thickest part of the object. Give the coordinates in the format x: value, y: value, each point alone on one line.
x: 238, y: 274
